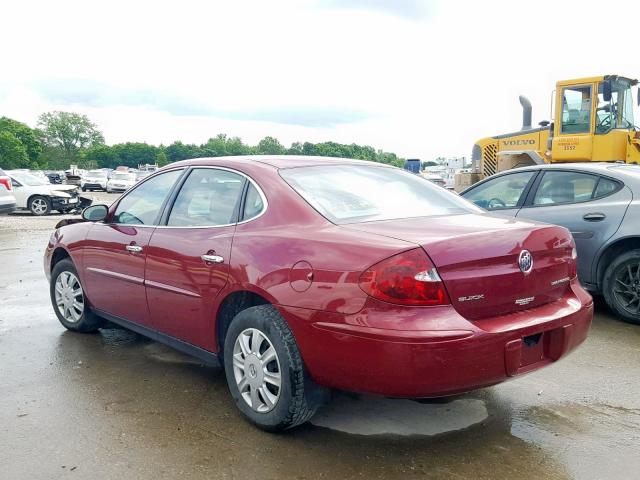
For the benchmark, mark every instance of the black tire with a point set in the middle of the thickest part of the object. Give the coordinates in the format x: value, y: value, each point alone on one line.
x: 299, y: 397
x: 621, y: 286
x: 84, y: 189
x: 87, y: 321
x: 39, y: 205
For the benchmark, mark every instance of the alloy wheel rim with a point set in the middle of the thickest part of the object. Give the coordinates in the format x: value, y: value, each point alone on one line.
x: 256, y: 369
x: 39, y: 205
x: 69, y: 297
x: 627, y: 288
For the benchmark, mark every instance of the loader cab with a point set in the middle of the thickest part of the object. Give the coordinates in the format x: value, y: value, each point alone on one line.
x: 594, y: 120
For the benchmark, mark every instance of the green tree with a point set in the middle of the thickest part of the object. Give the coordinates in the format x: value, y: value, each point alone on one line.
x: 295, y: 149
x: 26, y: 135
x: 161, y: 157
x: 132, y: 154
x: 104, y: 156
x: 70, y: 132
x: 271, y: 146
x: 13, y: 154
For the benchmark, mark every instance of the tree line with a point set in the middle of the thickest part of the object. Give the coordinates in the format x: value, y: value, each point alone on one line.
x: 64, y: 138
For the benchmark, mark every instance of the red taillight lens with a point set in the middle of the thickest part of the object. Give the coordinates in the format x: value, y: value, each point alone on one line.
x: 573, y: 264
x: 406, y: 279
x: 6, y: 181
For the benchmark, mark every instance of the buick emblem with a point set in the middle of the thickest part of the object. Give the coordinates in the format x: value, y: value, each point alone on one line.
x: 525, y: 261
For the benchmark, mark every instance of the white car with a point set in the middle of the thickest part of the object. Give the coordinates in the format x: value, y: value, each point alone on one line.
x: 121, y: 182
x: 41, y: 197
x: 94, y: 180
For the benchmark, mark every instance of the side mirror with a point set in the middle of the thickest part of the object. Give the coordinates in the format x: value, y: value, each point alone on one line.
x: 95, y: 213
x: 606, y: 91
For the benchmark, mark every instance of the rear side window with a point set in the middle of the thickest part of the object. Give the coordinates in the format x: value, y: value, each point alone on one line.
x: 142, y: 205
x: 605, y: 187
x: 253, y: 204
x: 565, y: 187
x: 208, y: 198
x: 358, y: 193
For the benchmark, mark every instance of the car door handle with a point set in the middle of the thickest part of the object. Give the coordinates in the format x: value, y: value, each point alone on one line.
x: 212, y: 258
x: 594, y: 217
x: 134, y: 248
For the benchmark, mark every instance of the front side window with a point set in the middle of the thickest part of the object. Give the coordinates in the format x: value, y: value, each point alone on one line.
x: 501, y: 192
x: 565, y: 187
x: 353, y: 193
x: 208, y: 198
x: 142, y: 205
x: 576, y: 109
x: 618, y: 113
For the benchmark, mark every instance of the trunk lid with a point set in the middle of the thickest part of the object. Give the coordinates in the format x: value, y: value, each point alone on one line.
x: 477, y: 257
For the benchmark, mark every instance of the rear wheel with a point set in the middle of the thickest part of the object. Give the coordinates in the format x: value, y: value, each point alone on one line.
x: 69, y: 301
x: 265, y: 372
x: 40, y: 205
x: 621, y: 286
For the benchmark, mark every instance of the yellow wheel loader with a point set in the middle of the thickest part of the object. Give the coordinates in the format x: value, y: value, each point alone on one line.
x: 593, y: 122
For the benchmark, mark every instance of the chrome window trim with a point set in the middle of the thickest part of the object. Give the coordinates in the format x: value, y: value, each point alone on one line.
x: 265, y: 203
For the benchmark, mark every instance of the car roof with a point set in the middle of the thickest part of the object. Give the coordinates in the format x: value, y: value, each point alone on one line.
x: 278, y: 161
x: 595, y: 167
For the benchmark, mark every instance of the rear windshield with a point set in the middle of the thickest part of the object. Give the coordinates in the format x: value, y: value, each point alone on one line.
x: 97, y: 174
x: 354, y: 193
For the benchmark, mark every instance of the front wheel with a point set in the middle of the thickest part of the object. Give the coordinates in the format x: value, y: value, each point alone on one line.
x: 40, y: 205
x: 265, y: 372
x: 69, y: 300
x: 621, y: 286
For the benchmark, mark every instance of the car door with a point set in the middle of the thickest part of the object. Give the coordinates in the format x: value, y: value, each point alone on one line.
x: 591, y: 206
x: 115, y: 250
x: 503, y: 194
x: 188, y: 256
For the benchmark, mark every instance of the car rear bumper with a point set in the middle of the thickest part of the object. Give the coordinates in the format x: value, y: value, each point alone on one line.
x: 433, y: 351
x: 95, y: 186
x: 6, y: 208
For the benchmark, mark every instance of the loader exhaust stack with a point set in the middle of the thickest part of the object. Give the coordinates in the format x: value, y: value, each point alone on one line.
x: 526, y: 112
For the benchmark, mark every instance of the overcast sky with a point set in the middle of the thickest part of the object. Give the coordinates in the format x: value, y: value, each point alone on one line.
x: 419, y: 78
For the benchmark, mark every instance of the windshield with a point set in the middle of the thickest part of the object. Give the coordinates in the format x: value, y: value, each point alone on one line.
x: 29, y: 180
x: 618, y: 113
x: 353, y: 193
x: 123, y: 176
x: 97, y: 174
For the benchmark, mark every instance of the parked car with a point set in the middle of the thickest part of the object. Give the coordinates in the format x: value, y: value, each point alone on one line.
x: 57, y: 178
x: 142, y: 174
x: 599, y: 203
x: 94, y: 180
x: 344, y: 274
x: 41, y: 198
x: 7, y: 200
x: 121, y: 182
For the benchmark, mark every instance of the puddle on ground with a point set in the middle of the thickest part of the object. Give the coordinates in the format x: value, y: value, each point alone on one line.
x: 160, y: 352
x: 369, y: 415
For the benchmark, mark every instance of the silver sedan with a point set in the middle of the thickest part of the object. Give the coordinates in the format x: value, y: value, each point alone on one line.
x: 598, y: 202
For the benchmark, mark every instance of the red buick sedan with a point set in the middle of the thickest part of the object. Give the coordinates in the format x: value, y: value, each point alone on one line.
x: 305, y: 274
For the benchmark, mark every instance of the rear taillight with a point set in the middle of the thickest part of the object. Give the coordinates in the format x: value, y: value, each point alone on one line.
x: 573, y: 264
x: 6, y: 181
x: 406, y: 279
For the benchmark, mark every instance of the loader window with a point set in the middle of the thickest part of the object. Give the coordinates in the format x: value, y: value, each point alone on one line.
x: 618, y: 113
x: 576, y: 110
